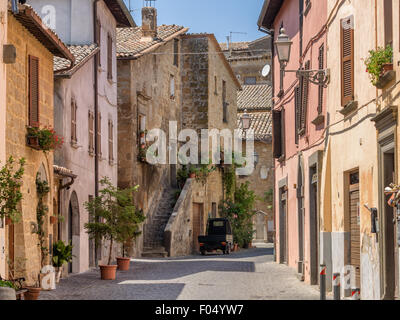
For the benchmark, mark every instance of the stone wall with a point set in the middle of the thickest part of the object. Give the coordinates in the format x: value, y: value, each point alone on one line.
x: 3, y: 40
x: 144, y: 90
x: 25, y: 242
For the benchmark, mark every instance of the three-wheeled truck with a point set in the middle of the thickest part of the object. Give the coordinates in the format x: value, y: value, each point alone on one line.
x: 219, y: 237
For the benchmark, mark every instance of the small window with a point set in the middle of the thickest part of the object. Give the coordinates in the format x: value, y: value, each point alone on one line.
x: 109, y: 58
x: 250, y: 80
x: 74, y: 139
x: 99, y: 154
x: 215, y: 85
x: 224, y: 103
x: 91, y: 132
x: 142, y: 128
x: 176, y: 53
x: 172, y: 87
x: 110, y: 142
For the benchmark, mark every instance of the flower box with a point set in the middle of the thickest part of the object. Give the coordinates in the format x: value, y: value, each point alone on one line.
x: 33, y: 142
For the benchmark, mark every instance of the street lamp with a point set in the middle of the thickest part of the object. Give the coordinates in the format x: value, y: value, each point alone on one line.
x: 245, y: 121
x: 283, y: 46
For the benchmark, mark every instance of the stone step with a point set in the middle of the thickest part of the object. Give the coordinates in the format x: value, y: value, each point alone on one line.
x: 154, y: 252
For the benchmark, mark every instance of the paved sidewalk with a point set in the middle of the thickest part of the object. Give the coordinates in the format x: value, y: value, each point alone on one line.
x: 245, y: 275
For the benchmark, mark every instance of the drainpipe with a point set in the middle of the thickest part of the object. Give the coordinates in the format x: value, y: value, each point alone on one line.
x: 96, y: 116
x: 271, y: 33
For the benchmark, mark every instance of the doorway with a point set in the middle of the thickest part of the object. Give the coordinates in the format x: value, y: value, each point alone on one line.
x: 283, y: 248
x: 389, y: 232
x: 300, y: 215
x: 74, y: 232
x: 314, y: 240
x: 197, y: 224
x: 353, y: 223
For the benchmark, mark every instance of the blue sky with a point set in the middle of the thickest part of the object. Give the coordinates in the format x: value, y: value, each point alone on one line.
x: 211, y: 16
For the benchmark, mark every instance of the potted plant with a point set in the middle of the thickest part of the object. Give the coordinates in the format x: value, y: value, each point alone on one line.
x: 34, y: 290
x: 45, y: 139
x: 378, y: 63
x: 62, y: 253
x: 7, y: 290
x: 114, y: 217
x: 143, y: 133
x: 129, y: 224
x: 192, y: 172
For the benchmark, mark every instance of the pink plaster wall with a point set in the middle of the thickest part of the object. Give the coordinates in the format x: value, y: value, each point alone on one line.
x: 312, y: 24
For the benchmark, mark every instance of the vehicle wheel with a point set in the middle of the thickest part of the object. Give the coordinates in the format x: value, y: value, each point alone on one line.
x: 203, y: 253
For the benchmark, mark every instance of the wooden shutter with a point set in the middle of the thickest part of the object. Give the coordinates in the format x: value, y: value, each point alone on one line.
x: 277, y: 133
x: 224, y: 103
x: 73, y: 121
x: 321, y: 65
x: 99, y: 154
x: 297, y: 107
x: 98, y: 40
x: 34, y: 91
x: 110, y: 142
x: 109, y: 57
x: 91, y: 132
x: 347, y: 61
x: 304, y: 102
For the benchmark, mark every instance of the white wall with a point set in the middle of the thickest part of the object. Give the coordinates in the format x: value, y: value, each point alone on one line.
x: 72, y: 19
x: 3, y: 40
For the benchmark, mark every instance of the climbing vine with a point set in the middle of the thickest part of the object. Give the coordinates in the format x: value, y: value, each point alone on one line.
x: 10, y: 185
x: 42, y: 189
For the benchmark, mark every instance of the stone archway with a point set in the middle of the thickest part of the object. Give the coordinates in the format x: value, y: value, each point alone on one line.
x: 74, y: 232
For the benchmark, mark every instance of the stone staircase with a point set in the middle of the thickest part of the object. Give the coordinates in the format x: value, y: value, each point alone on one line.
x: 154, y: 228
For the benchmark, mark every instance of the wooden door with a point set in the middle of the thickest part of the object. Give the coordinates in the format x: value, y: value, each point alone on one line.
x: 355, y: 247
x: 197, y: 226
x: 283, y: 235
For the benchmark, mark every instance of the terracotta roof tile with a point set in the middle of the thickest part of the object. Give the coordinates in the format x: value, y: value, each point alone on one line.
x: 129, y: 40
x: 235, y: 46
x: 255, y: 97
x: 81, y: 53
x: 261, y: 123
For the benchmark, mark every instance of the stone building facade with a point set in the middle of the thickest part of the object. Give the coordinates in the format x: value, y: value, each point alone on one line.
x: 299, y: 120
x: 248, y: 59
x: 86, y: 114
x: 24, y: 30
x: 149, y: 97
x: 3, y: 41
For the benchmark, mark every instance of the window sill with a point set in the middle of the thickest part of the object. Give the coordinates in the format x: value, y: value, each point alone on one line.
x: 385, y: 79
x: 320, y: 119
x: 349, y: 108
x: 307, y: 9
x: 74, y: 145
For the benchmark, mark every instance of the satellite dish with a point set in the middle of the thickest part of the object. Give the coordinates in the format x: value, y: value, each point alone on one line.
x: 266, y: 70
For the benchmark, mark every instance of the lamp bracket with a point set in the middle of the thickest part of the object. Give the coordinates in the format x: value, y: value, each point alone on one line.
x: 317, y: 77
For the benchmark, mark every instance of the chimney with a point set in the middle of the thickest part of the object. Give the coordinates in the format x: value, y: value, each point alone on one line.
x: 149, y: 23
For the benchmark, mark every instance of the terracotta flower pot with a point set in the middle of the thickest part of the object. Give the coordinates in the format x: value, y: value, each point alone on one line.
x: 32, y: 294
x: 108, y: 272
x: 53, y: 220
x: 123, y: 263
x: 142, y: 134
x: 235, y: 247
x: 33, y: 142
x: 192, y: 175
x: 387, y: 67
x: 8, y: 221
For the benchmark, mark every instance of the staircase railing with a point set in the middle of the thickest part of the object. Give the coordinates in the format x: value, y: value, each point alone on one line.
x: 177, y: 233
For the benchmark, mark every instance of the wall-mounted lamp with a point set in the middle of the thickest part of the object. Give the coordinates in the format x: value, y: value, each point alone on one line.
x: 283, y: 46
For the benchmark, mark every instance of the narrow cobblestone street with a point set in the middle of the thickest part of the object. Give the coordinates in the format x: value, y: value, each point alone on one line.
x: 248, y: 275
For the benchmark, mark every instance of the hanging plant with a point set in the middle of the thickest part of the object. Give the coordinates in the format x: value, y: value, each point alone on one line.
x: 377, y: 62
x: 10, y: 193
x: 42, y: 189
